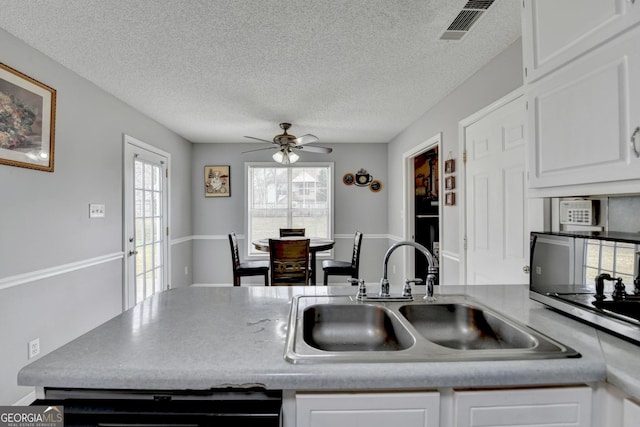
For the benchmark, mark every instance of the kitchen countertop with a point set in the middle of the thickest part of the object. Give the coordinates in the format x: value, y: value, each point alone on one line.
x: 199, y: 338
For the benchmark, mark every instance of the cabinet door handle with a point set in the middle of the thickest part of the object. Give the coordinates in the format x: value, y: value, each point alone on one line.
x: 635, y: 141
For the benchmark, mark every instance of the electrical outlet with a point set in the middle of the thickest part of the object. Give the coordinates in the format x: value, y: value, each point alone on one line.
x: 34, y: 348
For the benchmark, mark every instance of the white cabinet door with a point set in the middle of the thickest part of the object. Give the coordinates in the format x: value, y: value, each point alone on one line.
x: 581, y: 119
x: 555, y: 32
x: 630, y: 414
x: 557, y: 407
x: 419, y: 409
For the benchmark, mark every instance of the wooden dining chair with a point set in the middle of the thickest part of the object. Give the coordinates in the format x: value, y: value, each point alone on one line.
x: 289, y: 262
x: 287, y: 232
x: 344, y: 268
x: 248, y: 268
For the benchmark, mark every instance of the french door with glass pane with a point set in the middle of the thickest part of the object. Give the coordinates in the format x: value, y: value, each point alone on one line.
x: 146, y: 231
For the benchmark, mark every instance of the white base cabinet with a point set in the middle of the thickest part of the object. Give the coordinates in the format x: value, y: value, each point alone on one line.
x: 414, y: 409
x: 540, y: 407
x: 570, y: 406
x: 630, y: 413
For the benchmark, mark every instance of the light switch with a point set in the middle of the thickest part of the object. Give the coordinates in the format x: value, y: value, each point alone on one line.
x: 96, y: 210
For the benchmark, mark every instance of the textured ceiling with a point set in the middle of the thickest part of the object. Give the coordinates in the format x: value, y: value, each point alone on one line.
x: 213, y: 71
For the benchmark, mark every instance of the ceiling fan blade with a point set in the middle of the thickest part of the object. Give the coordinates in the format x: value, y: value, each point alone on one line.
x: 259, y: 139
x: 313, y: 149
x: 305, y: 139
x: 259, y: 149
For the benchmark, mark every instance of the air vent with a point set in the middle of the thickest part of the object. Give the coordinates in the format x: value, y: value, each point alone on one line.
x: 478, y: 4
x: 469, y: 15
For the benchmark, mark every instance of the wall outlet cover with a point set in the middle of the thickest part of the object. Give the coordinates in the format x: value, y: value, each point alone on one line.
x: 34, y: 348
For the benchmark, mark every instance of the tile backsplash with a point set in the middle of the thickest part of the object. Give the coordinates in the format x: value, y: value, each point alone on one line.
x: 624, y: 214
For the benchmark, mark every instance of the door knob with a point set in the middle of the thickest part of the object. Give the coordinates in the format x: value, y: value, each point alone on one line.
x: 526, y: 269
x: 132, y: 253
x: 635, y: 141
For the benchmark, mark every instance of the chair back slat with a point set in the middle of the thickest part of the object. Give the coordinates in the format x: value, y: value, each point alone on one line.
x: 355, y: 258
x: 233, y: 244
x: 287, y: 232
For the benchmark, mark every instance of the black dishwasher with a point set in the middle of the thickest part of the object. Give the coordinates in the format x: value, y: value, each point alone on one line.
x: 166, y: 408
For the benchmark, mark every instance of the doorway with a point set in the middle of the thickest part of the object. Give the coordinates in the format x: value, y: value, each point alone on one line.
x: 422, y: 195
x: 495, y: 205
x: 146, y: 231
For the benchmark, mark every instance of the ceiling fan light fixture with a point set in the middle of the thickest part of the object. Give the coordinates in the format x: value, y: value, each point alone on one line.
x: 285, y: 156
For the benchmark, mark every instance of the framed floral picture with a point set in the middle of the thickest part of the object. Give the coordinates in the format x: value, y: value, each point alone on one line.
x: 27, y: 121
x: 217, y: 181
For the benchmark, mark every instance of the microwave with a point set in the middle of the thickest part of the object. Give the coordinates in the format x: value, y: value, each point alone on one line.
x: 591, y: 276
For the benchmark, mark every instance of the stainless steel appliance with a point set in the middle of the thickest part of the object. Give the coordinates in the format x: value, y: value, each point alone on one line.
x: 593, y: 276
x: 221, y: 408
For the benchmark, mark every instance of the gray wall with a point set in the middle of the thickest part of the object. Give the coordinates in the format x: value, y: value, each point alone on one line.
x: 49, y: 288
x: 496, y: 79
x: 44, y: 224
x: 356, y: 208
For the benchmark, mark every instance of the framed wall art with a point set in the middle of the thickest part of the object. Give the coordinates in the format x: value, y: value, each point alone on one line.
x: 217, y: 181
x: 450, y: 166
x: 450, y: 199
x: 27, y: 121
x: 450, y: 183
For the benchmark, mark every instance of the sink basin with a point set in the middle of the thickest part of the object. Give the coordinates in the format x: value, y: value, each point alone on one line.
x: 464, y: 327
x: 626, y: 308
x: 340, y: 327
x: 325, y: 329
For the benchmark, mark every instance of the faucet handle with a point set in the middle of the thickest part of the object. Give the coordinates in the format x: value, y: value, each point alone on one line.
x: 406, y: 290
x: 362, y: 289
x: 619, y: 292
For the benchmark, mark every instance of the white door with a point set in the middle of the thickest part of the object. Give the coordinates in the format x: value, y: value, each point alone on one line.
x: 496, y: 202
x: 145, y: 217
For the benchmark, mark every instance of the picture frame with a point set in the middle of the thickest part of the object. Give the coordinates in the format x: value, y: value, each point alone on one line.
x: 450, y: 166
x: 27, y: 121
x: 450, y: 199
x: 217, y: 181
x: 450, y: 183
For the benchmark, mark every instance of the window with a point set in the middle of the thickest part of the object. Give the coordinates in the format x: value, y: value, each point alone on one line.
x: 299, y: 196
x: 605, y: 256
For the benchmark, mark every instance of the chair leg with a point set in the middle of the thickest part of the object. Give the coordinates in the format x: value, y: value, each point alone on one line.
x: 326, y: 278
x: 266, y: 278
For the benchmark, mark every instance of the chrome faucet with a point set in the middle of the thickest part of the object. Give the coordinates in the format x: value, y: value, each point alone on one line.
x: 432, y: 270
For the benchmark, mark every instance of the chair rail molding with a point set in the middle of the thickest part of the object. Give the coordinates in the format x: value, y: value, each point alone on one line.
x: 21, y: 279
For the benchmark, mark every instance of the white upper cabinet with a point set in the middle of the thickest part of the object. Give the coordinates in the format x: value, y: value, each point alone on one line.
x: 582, y: 116
x: 555, y: 32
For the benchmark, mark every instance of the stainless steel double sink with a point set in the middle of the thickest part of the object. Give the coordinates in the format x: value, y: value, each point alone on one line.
x: 340, y: 329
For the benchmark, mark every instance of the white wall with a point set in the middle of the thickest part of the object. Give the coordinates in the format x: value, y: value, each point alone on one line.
x: 499, y: 77
x: 356, y: 208
x: 49, y: 286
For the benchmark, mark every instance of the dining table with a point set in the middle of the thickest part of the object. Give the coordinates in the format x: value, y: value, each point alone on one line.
x: 316, y: 245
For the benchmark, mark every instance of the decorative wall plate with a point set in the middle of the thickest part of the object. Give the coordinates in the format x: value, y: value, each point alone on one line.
x: 375, y: 186
x: 348, y: 179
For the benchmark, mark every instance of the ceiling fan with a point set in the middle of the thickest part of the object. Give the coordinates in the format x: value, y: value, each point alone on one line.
x: 287, y: 144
